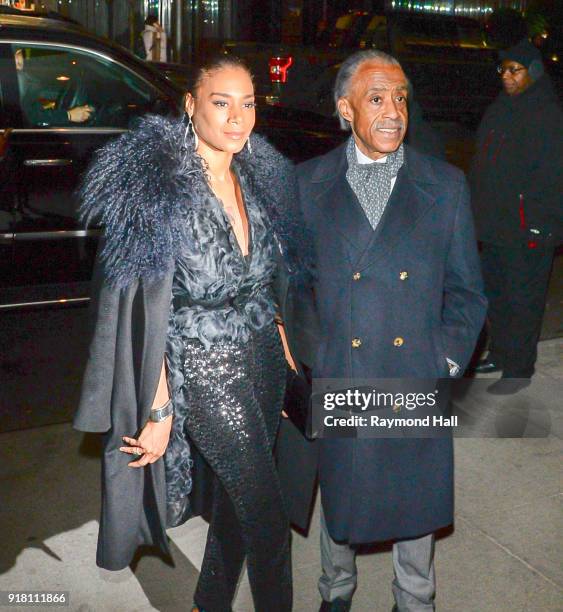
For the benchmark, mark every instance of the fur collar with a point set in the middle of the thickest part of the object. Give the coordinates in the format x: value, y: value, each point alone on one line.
x: 139, y: 185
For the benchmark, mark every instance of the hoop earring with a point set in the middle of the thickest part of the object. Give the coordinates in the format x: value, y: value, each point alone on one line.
x: 249, y: 146
x: 191, y: 133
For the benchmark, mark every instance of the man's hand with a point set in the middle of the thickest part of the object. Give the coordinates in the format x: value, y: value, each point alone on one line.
x: 80, y: 114
x: 151, y: 443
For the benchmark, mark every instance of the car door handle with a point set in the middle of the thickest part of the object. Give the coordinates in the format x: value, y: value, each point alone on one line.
x: 4, y: 142
x: 47, y: 162
x: 55, y: 234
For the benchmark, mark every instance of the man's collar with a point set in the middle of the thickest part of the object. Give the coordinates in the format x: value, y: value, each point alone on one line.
x: 334, y: 163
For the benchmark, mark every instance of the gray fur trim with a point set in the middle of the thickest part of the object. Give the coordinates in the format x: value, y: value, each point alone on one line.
x: 140, y: 185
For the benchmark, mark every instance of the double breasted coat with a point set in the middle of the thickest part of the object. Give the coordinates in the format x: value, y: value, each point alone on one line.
x: 139, y: 188
x: 392, y: 303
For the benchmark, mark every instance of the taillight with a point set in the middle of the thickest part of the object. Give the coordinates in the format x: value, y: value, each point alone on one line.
x: 279, y: 67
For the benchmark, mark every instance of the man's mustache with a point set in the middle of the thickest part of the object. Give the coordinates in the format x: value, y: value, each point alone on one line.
x: 390, y: 126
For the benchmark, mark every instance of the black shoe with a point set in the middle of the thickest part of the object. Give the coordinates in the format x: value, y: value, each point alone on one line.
x: 394, y: 608
x: 508, y: 386
x: 338, y: 605
x: 486, y: 366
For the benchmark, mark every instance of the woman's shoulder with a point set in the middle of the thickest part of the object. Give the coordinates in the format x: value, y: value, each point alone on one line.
x: 263, y: 161
x: 151, y: 138
x: 272, y: 174
x: 275, y: 182
x: 135, y: 189
x: 130, y: 170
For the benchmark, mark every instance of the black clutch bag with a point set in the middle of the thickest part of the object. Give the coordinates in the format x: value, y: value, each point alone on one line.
x: 297, y: 403
x: 296, y: 455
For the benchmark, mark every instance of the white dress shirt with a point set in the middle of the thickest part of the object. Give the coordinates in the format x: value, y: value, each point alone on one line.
x: 364, y: 159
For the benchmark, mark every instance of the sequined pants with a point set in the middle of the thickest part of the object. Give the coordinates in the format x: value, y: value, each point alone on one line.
x: 234, y: 396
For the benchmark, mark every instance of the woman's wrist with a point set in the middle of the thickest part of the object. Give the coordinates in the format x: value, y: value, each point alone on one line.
x: 161, y: 414
x: 168, y: 401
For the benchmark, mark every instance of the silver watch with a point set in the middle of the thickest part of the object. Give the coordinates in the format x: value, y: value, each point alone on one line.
x: 162, y: 413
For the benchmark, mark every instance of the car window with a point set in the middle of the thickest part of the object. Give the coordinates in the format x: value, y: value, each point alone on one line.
x: 9, y: 111
x: 63, y: 87
x: 340, y: 36
x: 417, y: 30
x: 375, y: 34
x: 470, y: 33
x: 347, y: 30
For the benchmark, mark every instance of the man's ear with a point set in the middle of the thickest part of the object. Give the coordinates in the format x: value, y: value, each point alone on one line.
x: 189, y: 103
x: 345, y: 109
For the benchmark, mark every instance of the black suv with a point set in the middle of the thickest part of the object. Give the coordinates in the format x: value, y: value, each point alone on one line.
x: 48, y: 69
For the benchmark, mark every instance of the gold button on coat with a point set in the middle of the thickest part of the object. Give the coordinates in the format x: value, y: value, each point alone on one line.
x: 356, y: 343
x: 357, y: 276
x: 403, y: 275
x: 398, y: 341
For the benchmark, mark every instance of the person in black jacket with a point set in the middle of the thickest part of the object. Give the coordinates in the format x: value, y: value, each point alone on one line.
x: 516, y: 184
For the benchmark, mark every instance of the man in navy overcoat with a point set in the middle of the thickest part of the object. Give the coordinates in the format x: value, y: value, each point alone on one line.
x: 399, y: 295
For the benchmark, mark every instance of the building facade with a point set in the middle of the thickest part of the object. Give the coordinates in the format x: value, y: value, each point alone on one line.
x: 190, y: 24
x: 197, y: 27
x: 468, y: 8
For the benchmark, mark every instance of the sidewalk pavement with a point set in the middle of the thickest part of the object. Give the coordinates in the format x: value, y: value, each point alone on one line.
x: 503, y: 555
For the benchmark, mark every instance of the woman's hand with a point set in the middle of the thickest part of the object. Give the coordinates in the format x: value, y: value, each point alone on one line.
x: 151, y: 443
x: 288, y: 356
x: 153, y: 439
x: 290, y: 361
x: 286, y: 350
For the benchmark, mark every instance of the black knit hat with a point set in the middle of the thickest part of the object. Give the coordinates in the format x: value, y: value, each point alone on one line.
x: 523, y: 52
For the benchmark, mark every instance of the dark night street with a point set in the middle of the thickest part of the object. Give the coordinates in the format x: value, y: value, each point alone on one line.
x: 76, y: 74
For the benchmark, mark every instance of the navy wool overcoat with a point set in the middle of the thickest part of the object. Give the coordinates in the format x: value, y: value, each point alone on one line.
x: 411, y: 292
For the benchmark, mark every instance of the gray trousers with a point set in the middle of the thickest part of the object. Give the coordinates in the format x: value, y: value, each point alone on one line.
x: 414, y: 584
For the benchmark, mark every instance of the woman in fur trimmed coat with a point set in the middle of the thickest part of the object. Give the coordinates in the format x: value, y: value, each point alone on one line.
x: 201, y: 241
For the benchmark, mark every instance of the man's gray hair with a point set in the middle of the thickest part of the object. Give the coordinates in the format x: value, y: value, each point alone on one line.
x: 348, y: 69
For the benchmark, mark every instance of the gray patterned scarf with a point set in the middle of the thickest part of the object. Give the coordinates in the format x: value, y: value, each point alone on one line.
x: 372, y: 182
